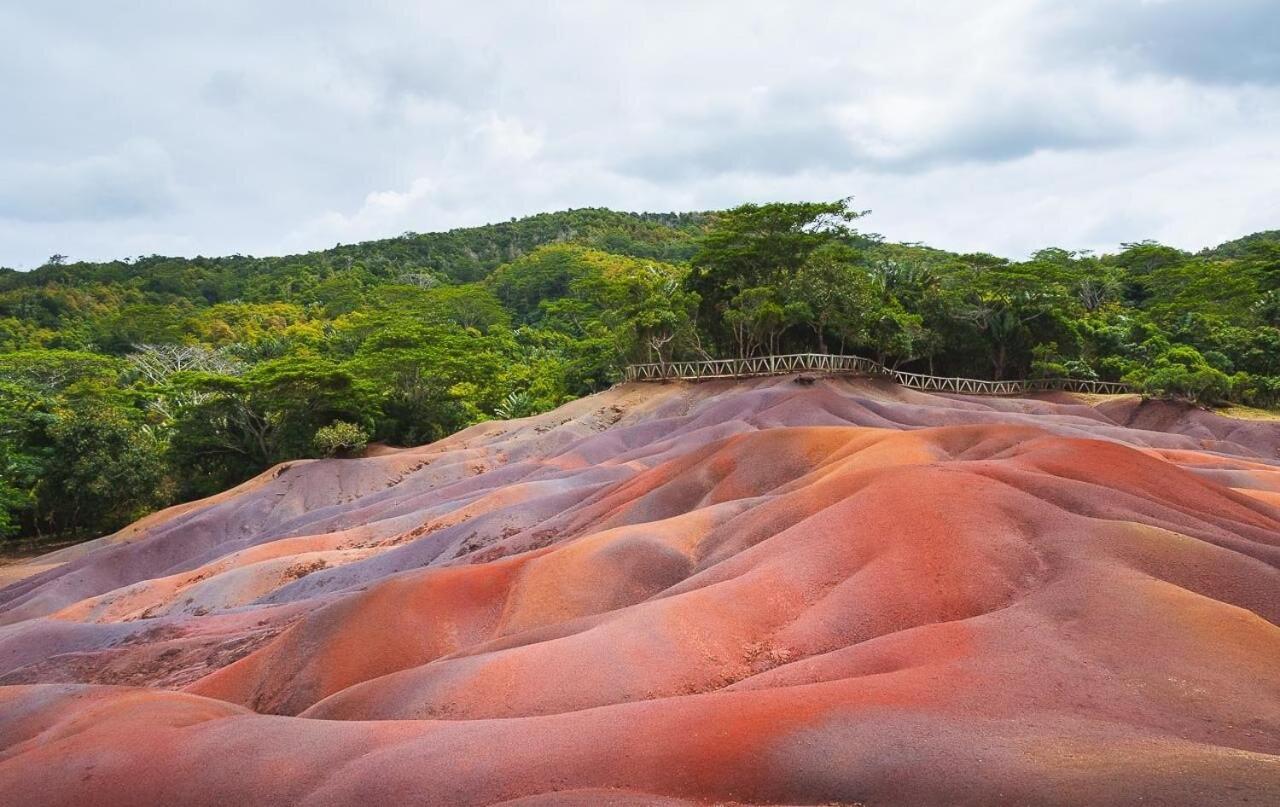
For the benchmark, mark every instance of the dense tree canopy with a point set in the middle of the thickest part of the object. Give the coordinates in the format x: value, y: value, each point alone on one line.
x: 132, y: 384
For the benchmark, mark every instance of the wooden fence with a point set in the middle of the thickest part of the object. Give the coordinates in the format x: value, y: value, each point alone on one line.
x: 857, y: 365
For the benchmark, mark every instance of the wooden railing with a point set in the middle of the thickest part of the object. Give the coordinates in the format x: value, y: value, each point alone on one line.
x: 857, y: 365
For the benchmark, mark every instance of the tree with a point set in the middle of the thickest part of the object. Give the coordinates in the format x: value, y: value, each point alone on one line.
x: 156, y: 363
x: 242, y: 425
x: 755, y: 318
x: 141, y: 323
x: 897, y: 336
x: 1213, y: 288
x: 429, y: 380
x: 25, y: 414
x: 469, y: 306
x: 646, y: 304
x: 1002, y: 300
x: 750, y: 253
x: 834, y: 294
x: 12, y: 501
x: 102, y: 473
x: 545, y: 274
x: 300, y: 393
x: 55, y: 371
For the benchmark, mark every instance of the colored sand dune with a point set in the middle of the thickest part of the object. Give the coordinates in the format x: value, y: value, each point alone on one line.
x: 764, y: 592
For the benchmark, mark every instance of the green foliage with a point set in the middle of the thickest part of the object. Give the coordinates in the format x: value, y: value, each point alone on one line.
x: 340, y: 439
x: 749, y: 255
x: 11, y: 502
x: 232, y: 427
x: 102, y: 472
x: 132, y: 384
x: 1048, y: 362
x: 430, y: 380
x: 1256, y: 390
x: 517, y: 404
x: 1240, y: 247
x: 107, y: 472
x: 59, y: 370
x: 833, y: 293
x: 546, y: 274
x: 1182, y: 372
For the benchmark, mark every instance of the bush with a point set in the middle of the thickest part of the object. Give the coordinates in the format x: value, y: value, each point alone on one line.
x: 340, y: 439
x: 1182, y: 372
x: 1205, y: 385
x: 517, y: 404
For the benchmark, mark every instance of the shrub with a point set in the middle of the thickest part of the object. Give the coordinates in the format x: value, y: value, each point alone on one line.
x: 1182, y: 372
x: 340, y: 439
x: 517, y: 404
x: 1203, y: 385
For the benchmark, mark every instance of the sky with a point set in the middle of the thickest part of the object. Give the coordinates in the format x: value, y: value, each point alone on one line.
x: 240, y: 126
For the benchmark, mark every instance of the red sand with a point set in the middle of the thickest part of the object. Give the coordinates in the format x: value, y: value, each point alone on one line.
x: 760, y: 593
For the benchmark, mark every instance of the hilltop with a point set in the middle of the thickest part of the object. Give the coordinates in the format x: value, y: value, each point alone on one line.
x: 460, y: 256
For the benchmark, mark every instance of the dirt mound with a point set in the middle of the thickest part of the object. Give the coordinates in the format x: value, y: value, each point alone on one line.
x: 764, y: 592
x: 1214, y: 431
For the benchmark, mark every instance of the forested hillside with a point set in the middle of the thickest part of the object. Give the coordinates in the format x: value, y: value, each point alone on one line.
x: 129, y: 385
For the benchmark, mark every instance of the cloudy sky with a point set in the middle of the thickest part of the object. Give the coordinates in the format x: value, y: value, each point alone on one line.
x: 256, y: 127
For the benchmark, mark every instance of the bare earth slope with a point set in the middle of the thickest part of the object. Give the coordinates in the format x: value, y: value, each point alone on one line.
x: 766, y: 592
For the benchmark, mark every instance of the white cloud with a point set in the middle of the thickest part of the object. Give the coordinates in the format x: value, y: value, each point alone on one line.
x: 507, y: 139
x: 1002, y: 125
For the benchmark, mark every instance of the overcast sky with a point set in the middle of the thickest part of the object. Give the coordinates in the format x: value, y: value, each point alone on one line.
x: 256, y: 127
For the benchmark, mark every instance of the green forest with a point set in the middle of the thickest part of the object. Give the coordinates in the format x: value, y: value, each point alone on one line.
x: 130, y: 385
